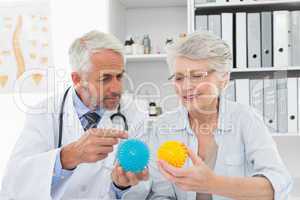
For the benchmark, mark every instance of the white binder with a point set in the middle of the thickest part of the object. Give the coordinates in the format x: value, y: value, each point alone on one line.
x: 270, y: 104
x: 241, y: 40
x: 266, y: 39
x: 256, y: 96
x: 282, y: 107
x: 254, y: 42
x: 298, y: 106
x: 227, y: 29
x: 281, y: 33
x: 292, y: 105
x: 295, y: 37
x: 214, y: 24
x: 242, y: 91
x: 201, y: 23
x: 230, y: 91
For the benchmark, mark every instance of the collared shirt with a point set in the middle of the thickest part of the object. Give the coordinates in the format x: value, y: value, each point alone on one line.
x: 245, y: 148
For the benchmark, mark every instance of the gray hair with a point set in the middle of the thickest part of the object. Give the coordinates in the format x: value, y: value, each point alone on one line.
x: 92, y: 42
x: 202, y: 45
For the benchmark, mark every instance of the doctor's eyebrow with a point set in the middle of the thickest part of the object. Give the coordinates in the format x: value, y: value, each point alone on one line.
x: 110, y: 75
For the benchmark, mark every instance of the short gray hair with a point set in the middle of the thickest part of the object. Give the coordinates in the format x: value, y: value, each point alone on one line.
x: 92, y: 42
x: 202, y: 45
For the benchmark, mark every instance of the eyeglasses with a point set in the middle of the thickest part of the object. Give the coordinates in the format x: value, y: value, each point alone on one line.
x: 194, y: 77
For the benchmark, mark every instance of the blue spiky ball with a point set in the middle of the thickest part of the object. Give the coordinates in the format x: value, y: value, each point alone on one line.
x: 133, y: 155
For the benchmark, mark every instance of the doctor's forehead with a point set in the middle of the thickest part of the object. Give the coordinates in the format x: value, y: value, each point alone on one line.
x: 107, y: 60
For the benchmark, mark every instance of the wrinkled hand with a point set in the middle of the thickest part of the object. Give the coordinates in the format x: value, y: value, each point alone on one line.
x: 124, y: 179
x: 198, y: 178
x: 93, y: 146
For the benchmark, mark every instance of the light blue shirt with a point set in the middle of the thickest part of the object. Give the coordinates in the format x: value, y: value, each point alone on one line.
x: 245, y: 148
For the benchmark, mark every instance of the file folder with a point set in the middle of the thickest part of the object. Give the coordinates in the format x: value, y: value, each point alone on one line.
x: 295, y: 35
x: 270, y: 104
x: 242, y: 91
x: 241, y: 40
x: 227, y: 29
x: 201, y: 23
x: 256, y: 96
x: 281, y: 33
x: 214, y: 24
x: 230, y: 91
x: 254, y: 47
x: 282, y: 107
x: 292, y: 105
x: 266, y: 39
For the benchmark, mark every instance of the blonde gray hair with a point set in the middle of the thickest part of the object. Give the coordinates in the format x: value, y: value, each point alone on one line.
x: 92, y: 42
x: 202, y: 45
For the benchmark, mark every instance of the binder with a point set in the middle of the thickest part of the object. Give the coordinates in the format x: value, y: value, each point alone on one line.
x: 282, y: 107
x: 292, y: 105
x: 270, y: 104
x: 253, y: 33
x: 295, y: 37
x: 230, y: 91
x: 256, y: 96
x: 242, y: 91
x: 241, y: 40
x: 214, y: 24
x: 227, y: 30
x: 266, y: 39
x: 201, y: 23
x: 281, y: 33
x: 298, y: 99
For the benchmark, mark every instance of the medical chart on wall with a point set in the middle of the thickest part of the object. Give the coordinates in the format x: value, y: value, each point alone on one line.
x: 25, y: 46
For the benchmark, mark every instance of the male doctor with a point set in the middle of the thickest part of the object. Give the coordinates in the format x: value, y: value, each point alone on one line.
x: 79, y: 168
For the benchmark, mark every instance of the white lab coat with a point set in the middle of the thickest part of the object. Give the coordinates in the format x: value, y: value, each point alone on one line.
x: 31, y: 166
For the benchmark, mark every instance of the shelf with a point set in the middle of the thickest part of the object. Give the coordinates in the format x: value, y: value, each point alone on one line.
x: 152, y: 3
x: 266, y: 69
x: 251, y: 6
x: 266, y: 72
x: 278, y: 135
x: 146, y: 58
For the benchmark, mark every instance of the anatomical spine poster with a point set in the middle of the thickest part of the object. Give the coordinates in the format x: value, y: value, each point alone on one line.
x: 25, y: 46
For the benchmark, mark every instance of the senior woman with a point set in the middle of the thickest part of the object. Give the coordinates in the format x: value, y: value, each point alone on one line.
x: 232, y: 154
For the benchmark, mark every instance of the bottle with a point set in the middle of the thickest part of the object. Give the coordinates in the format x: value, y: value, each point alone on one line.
x: 152, y: 109
x: 147, y: 44
x: 128, y: 47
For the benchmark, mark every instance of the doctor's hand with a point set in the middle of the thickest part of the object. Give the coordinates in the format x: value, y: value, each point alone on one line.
x: 123, y: 179
x: 93, y: 146
x: 198, y: 178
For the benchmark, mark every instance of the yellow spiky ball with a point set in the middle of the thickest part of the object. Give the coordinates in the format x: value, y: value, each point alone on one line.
x: 173, y: 152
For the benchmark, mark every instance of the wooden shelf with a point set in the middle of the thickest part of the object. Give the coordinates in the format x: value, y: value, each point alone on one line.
x: 251, y: 6
x: 152, y: 3
x: 146, y: 58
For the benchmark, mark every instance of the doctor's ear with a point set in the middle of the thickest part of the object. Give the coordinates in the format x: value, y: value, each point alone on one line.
x: 78, y: 80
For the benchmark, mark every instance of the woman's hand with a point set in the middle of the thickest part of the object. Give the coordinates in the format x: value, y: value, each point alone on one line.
x: 198, y: 178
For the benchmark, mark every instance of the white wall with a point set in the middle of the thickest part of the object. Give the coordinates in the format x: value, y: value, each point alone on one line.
x: 70, y: 19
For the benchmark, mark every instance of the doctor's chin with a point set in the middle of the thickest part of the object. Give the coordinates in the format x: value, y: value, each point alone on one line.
x: 150, y: 100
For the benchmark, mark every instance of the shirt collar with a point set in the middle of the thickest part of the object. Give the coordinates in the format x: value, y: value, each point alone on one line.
x: 224, y: 118
x: 81, y: 108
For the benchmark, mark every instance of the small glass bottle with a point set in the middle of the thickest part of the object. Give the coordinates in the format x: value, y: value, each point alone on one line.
x: 147, y: 44
x: 152, y: 109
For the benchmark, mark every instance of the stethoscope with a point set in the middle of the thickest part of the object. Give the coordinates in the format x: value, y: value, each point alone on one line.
x: 114, y: 117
